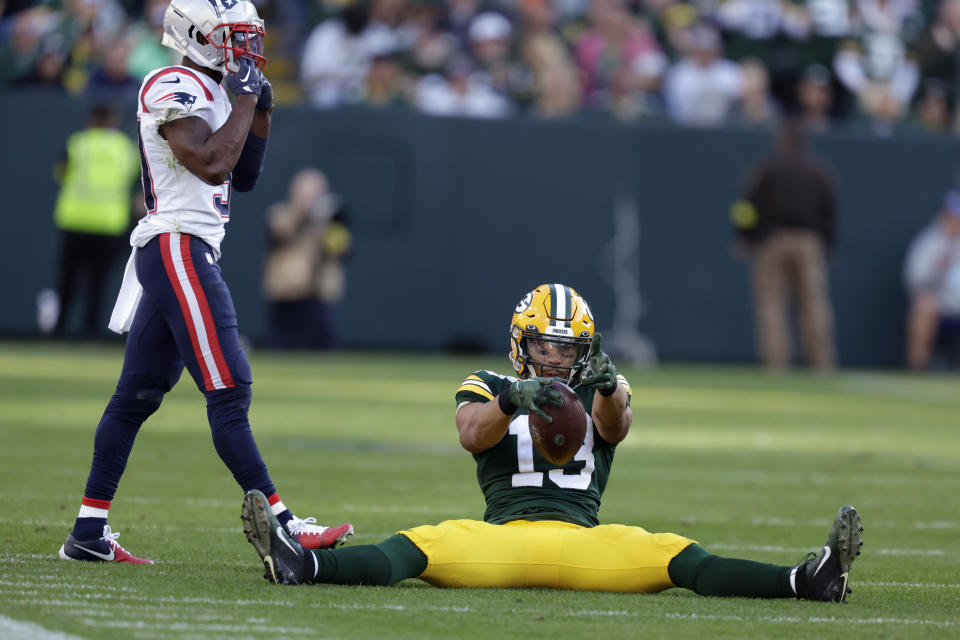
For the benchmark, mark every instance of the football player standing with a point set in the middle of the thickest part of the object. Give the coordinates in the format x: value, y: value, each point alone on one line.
x: 540, y: 528
x: 194, y: 149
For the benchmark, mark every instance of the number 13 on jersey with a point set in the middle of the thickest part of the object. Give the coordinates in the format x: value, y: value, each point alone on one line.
x: 527, y: 477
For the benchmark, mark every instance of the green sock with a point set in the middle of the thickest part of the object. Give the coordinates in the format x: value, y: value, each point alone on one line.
x: 389, y: 562
x: 709, y: 575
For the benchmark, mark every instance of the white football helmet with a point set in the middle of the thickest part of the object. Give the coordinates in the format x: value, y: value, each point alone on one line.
x: 215, y: 33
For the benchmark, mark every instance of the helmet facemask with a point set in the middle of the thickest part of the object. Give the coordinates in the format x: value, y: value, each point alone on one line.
x: 551, y: 352
x: 243, y: 40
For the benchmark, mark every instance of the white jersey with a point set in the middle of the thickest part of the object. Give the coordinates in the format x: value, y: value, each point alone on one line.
x: 177, y: 200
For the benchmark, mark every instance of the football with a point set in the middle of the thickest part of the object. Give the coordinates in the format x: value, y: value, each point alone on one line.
x: 558, y: 441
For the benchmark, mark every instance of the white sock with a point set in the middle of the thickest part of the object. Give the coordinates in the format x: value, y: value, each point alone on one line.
x: 278, y: 507
x: 793, y: 580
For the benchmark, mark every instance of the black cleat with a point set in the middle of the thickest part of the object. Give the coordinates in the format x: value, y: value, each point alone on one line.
x: 102, y: 549
x: 823, y: 576
x: 283, y: 557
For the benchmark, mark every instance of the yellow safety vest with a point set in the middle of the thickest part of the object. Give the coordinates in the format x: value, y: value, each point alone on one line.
x: 95, y: 196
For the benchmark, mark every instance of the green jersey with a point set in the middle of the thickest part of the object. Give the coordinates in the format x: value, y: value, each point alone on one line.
x: 520, y: 484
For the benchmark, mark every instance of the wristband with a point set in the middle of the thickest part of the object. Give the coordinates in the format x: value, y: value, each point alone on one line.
x: 607, y: 394
x: 503, y: 399
x: 250, y: 163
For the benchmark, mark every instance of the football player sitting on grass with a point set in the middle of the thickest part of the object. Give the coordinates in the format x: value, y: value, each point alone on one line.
x: 540, y: 528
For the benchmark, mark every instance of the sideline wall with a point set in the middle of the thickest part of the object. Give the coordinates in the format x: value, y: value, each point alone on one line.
x: 455, y: 219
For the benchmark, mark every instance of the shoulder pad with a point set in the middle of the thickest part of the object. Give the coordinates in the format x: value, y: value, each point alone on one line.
x: 175, y: 88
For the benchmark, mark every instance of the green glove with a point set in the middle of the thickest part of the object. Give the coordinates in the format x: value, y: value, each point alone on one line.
x: 603, y: 375
x: 531, y: 394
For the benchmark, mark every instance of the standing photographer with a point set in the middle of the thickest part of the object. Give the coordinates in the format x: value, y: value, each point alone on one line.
x: 304, y: 277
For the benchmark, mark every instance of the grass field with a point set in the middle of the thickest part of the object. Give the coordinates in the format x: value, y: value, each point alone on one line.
x: 749, y: 465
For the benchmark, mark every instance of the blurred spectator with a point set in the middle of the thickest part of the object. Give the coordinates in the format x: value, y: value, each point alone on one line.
x: 288, y: 22
x: 545, y: 79
x: 112, y: 80
x: 897, y: 17
x: 304, y: 277
x: 536, y: 54
x: 93, y: 213
x: 432, y: 47
x: 461, y: 91
x: 670, y: 21
x: 49, y: 66
x: 815, y: 98
x: 757, y: 107
x: 24, y: 34
x: 763, y: 29
x: 703, y: 88
x: 458, y: 16
x: 489, y: 35
x: 386, y: 84
x: 932, y: 111
x: 91, y: 28
x: 831, y: 21
x: 554, y: 89
x: 937, y: 49
x: 786, y: 220
x: 878, y: 72
x: 337, y: 56
x: 146, y: 53
x: 932, y: 278
x: 618, y: 56
x: 21, y: 35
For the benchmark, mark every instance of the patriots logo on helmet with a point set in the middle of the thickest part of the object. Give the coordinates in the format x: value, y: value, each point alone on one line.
x: 184, y: 98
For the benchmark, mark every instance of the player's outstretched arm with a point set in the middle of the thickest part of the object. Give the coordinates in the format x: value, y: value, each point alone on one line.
x: 611, y: 407
x: 211, y: 155
x: 612, y: 416
x: 482, y: 425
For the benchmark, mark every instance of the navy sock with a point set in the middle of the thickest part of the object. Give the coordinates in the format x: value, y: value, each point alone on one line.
x: 91, y: 519
x: 88, y: 528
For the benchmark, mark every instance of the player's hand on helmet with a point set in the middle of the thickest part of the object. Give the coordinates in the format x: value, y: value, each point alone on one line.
x: 603, y: 375
x: 247, y: 81
x: 265, y: 101
x: 533, y: 393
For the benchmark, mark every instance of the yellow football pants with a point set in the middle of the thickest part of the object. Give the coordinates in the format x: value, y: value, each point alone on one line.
x: 558, y: 555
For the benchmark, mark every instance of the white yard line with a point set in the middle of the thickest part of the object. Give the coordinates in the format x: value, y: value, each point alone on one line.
x: 829, y: 620
x: 31, y: 590
x: 777, y: 549
x: 911, y: 585
x: 90, y: 615
x: 11, y: 629
x: 774, y: 521
x: 195, y: 628
x: 775, y: 619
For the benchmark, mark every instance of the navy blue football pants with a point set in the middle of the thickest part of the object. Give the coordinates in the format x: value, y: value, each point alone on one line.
x: 185, y: 318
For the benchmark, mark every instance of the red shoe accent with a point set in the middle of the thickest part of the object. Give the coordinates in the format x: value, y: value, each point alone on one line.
x: 122, y: 555
x: 316, y: 537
